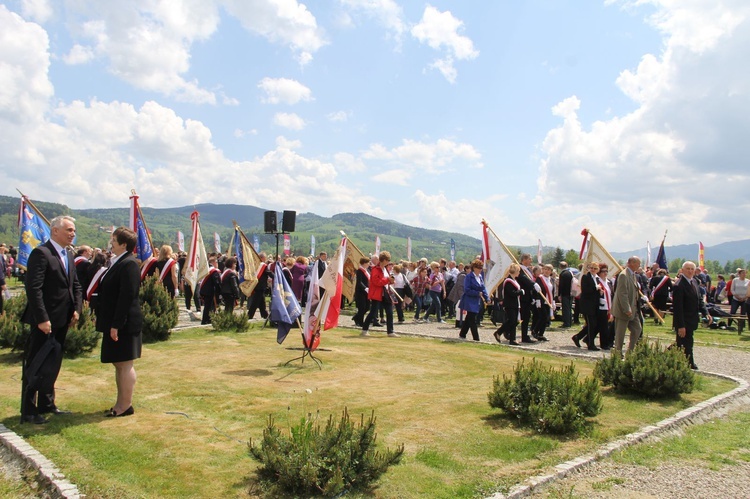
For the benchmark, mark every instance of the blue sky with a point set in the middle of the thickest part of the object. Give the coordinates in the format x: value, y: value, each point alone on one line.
x: 626, y: 117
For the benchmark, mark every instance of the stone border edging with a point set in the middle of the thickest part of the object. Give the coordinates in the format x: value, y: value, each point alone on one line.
x: 47, y: 474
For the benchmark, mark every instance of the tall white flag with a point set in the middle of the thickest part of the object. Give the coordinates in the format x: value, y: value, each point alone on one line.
x: 497, y: 258
x: 196, y: 265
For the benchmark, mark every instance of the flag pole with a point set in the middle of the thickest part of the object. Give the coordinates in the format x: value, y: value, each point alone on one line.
x: 484, y: 222
x: 38, y: 212
x: 640, y: 292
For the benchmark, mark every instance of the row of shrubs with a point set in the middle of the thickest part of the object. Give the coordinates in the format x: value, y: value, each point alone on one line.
x: 311, y: 461
x: 160, y: 314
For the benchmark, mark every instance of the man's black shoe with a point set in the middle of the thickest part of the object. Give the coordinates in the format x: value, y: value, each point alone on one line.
x: 514, y: 343
x: 594, y: 348
x: 528, y: 340
x: 576, y: 341
x: 694, y: 367
x: 34, y: 419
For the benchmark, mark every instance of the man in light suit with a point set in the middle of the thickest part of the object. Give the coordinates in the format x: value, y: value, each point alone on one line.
x: 54, y: 304
x: 625, y: 306
x: 687, y: 304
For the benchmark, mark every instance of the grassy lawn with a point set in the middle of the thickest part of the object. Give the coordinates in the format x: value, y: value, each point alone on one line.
x: 704, y: 336
x: 202, y: 395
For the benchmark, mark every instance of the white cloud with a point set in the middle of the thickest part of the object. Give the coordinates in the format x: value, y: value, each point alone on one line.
x: 397, y: 176
x: 348, y: 162
x: 671, y: 162
x: 440, y: 31
x: 284, y: 143
x: 238, y: 133
x: 439, y: 210
x: 289, y: 120
x: 437, y: 157
x: 339, y: 116
x: 146, y: 44
x: 79, y: 55
x: 284, y: 91
x: 285, y: 22
x: 40, y: 11
x: 387, y: 12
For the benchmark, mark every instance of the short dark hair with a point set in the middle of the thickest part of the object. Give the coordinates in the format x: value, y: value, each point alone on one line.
x: 125, y: 236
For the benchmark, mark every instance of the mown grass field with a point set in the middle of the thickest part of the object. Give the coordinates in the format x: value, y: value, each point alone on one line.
x: 202, y: 395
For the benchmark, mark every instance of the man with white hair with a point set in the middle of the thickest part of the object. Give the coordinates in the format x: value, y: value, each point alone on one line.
x: 686, y: 305
x: 625, y: 305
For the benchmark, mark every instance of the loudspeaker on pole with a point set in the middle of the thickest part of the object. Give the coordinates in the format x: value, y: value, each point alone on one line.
x: 269, y: 221
x: 287, y: 222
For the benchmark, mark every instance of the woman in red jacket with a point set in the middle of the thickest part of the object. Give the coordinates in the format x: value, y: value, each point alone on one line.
x: 380, y: 278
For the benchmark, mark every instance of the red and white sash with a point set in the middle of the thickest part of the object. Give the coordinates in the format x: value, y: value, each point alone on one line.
x: 261, y: 270
x: 659, y: 286
x: 147, y: 266
x: 367, y: 273
x: 94, y: 285
x: 167, y: 269
x: 226, y: 273
x: 518, y: 296
x: 528, y: 273
x: 79, y: 259
x: 607, y: 295
x: 547, y: 290
x: 211, y: 270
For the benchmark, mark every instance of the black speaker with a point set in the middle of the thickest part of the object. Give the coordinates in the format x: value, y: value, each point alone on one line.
x: 287, y: 223
x: 269, y: 221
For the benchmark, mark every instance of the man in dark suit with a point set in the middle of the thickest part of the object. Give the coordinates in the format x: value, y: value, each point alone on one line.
x: 54, y: 304
x: 257, y: 300
x: 566, y: 299
x: 686, y: 305
x: 588, y: 305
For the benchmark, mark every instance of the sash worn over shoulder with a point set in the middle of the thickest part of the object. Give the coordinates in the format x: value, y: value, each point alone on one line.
x: 167, y: 269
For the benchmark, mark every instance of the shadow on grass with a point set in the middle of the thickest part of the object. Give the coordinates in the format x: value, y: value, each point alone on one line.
x: 55, y: 424
x: 11, y: 358
x: 250, y: 372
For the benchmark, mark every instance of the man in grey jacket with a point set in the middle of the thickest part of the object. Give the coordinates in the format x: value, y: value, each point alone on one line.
x: 625, y: 306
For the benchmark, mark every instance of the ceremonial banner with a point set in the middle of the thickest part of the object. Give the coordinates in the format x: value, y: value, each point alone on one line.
x: 248, y: 260
x: 287, y: 245
x: 217, y: 243
x: 497, y: 258
x: 312, y: 245
x: 34, y: 230
x: 648, y: 254
x: 701, y: 256
x: 285, y: 309
x: 144, y: 246
x: 333, y: 281
x: 408, y: 249
x: 377, y: 245
x: 351, y: 264
x: 256, y: 243
x: 539, y: 252
x: 196, y: 265
x: 595, y: 252
x: 311, y: 334
x: 453, y: 249
x: 180, y: 241
x: 661, y: 257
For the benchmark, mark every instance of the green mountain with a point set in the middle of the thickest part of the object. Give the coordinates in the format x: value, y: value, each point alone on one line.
x: 93, y: 227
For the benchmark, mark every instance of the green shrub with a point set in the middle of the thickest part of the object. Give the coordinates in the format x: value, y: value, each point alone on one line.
x: 549, y: 400
x: 13, y: 332
x: 84, y: 337
x: 224, y: 321
x: 310, y: 461
x: 160, y: 312
x: 80, y: 340
x: 648, y: 369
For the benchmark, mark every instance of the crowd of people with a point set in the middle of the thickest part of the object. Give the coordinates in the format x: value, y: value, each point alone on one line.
x: 59, y: 278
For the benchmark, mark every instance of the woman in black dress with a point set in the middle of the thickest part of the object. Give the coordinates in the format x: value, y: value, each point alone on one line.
x: 120, y: 319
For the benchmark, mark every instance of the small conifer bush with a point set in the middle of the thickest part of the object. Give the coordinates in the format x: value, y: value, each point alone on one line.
x: 160, y: 311
x: 225, y: 321
x: 550, y: 400
x: 80, y: 340
x: 315, y: 461
x: 84, y: 337
x: 648, y: 369
x: 13, y: 332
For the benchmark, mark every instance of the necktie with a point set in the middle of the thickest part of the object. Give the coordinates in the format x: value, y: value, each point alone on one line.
x: 64, y: 254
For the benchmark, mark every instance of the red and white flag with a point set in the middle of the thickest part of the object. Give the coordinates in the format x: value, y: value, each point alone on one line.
x: 217, y: 243
x: 539, y: 252
x: 287, y: 245
x: 332, y: 281
x: 377, y: 245
x: 408, y: 249
x: 196, y: 265
x: 701, y: 256
x: 311, y: 333
x: 497, y: 258
x: 180, y: 241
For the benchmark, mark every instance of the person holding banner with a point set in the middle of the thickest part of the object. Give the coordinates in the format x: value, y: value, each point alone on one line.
x: 379, y: 298
x: 472, y: 298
